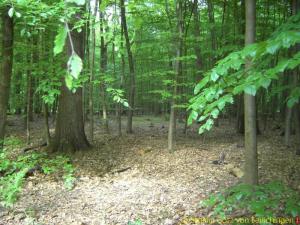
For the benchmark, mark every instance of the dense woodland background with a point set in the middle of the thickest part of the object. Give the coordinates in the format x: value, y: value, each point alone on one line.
x: 71, y: 68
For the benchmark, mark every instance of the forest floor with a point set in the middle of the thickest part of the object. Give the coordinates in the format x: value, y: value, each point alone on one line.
x: 157, y: 187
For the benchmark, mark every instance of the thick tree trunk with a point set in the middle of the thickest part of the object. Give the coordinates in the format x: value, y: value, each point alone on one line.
x: 131, y: 68
x: 6, y: 72
x: 69, y: 129
x: 295, y: 81
x: 251, y: 162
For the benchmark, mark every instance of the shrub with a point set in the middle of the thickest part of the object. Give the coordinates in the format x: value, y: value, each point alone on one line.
x: 271, y: 200
x: 14, y: 169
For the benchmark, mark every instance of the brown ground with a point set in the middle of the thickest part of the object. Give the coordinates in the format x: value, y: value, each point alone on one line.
x: 159, y: 188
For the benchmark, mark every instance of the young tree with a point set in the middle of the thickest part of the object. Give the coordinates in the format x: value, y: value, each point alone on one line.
x: 103, y: 68
x: 6, y: 72
x: 179, y: 50
x: 131, y: 67
x: 251, y: 163
x: 92, y: 72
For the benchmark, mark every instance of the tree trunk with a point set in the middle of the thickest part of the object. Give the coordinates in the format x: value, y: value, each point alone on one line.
x: 295, y: 81
x: 197, y: 37
x: 92, y: 71
x: 6, y: 73
x: 211, y: 19
x: 46, y: 119
x: 122, y: 75
x: 131, y: 68
x: 251, y: 162
x: 103, y: 68
x: 240, y: 120
x: 179, y: 45
x: 69, y: 129
x: 29, y: 116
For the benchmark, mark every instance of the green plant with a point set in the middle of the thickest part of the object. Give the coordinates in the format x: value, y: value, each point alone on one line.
x: 271, y: 200
x: 135, y: 222
x: 15, y: 169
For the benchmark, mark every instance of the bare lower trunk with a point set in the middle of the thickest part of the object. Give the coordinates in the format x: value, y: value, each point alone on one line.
x: 46, y: 119
x: 172, y: 127
x: 6, y: 72
x: 251, y: 163
x: 287, y: 126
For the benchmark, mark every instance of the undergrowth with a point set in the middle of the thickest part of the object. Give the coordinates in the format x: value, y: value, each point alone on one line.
x: 260, y: 204
x: 14, y: 168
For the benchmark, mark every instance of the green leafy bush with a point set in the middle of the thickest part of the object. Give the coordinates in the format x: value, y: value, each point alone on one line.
x: 14, y: 169
x: 271, y: 200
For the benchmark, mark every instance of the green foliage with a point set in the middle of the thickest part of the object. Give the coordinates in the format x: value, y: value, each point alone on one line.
x: 74, y: 65
x: 229, y: 77
x: 78, y: 2
x: 118, y: 96
x: 60, y: 40
x: 267, y: 200
x: 135, y: 222
x: 13, y: 170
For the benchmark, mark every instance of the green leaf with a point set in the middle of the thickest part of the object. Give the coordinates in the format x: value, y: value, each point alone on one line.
x: 60, y: 39
x: 265, y: 82
x: 69, y: 81
x: 215, y: 113
x: 201, y: 84
x: 11, y: 12
x: 75, y: 65
x: 193, y: 116
x: 201, y: 130
x: 291, y: 102
x: 18, y: 14
x: 250, y: 89
x: 78, y: 2
x: 126, y: 104
x: 214, y: 76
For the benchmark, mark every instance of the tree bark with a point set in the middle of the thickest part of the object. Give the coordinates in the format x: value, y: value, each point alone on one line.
x: 179, y: 44
x: 6, y: 73
x: 103, y: 68
x: 211, y: 19
x: 122, y: 75
x: 131, y: 68
x: 92, y: 71
x: 69, y: 128
x: 46, y: 119
x: 251, y: 162
x: 197, y: 37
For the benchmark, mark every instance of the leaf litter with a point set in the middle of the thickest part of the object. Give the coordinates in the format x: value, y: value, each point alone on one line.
x: 134, y: 177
